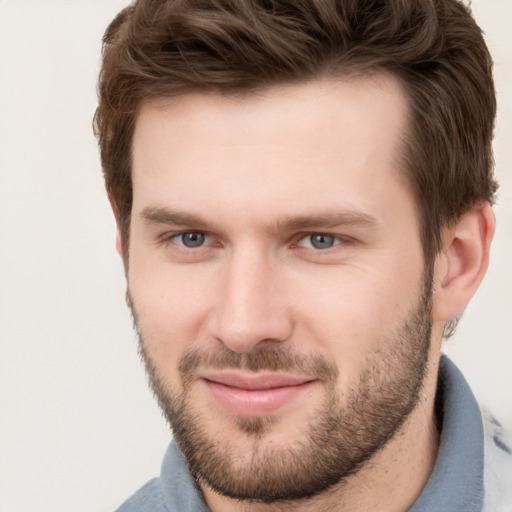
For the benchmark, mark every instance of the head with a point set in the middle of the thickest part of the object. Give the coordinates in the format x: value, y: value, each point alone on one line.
x: 167, y: 49
x: 283, y: 176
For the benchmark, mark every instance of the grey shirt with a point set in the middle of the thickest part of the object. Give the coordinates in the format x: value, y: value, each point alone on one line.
x: 455, y: 485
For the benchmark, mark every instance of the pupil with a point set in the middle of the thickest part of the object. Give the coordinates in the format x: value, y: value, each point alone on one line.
x: 322, y: 241
x: 192, y: 239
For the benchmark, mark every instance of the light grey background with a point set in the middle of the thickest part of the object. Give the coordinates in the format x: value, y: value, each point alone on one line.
x: 78, y: 429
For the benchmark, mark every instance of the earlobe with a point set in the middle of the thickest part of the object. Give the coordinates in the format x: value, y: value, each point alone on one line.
x: 461, y: 265
x: 119, y: 245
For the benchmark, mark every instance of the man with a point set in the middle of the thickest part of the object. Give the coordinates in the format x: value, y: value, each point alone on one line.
x: 303, y: 197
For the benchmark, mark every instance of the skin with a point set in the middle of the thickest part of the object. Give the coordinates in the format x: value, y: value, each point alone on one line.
x: 258, y: 175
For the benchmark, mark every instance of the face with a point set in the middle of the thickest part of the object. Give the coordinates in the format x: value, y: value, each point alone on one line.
x: 277, y: 281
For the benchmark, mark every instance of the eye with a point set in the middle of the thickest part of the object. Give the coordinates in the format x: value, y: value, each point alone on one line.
x: 319, y: 241
x: 191, y: 239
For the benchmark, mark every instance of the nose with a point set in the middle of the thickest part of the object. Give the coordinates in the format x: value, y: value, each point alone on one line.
x: 250, y: 307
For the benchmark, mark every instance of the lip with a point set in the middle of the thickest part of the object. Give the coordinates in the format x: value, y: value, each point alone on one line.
x: 254, y: 394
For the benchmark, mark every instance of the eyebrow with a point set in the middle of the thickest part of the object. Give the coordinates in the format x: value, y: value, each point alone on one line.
x: 155, y: 215
x: 329, y: 220
x: 323, y: 220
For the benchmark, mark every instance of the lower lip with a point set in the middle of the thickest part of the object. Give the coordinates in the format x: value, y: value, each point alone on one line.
x: 255, y: 402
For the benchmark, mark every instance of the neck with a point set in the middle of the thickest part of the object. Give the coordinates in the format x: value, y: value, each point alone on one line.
x: 389, y: 482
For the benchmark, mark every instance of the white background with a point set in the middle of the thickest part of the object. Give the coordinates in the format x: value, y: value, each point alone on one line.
x: 79, y: 430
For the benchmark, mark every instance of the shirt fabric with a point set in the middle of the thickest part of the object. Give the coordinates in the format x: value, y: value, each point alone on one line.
x: 473, y: 470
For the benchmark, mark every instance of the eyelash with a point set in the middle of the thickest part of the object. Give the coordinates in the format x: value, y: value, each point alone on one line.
x: 308, y: 237
x: 173, y: 237
x: 338, y: 239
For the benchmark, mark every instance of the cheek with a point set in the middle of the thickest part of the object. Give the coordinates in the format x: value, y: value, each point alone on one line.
x: 170, y: 307
x: 341, y: 321
x: 354, y: 315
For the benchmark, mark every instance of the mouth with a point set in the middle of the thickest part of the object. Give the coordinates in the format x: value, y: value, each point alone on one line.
x: 255, y: 394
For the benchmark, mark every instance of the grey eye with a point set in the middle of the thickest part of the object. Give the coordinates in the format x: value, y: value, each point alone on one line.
x: 192, y: 239
x: 320, y: 241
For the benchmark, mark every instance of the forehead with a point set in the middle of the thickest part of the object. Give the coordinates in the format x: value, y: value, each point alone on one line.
x: 330, y: 140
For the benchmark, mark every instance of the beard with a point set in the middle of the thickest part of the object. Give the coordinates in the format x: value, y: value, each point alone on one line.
x: 342, y: 435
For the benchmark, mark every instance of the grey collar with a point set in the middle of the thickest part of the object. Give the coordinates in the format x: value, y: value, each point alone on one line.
x: 456, y: 483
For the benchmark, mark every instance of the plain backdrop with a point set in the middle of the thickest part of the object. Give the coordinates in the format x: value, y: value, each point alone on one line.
x: 79, y: 431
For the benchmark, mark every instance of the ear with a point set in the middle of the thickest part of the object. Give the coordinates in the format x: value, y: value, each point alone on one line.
x: 461, y: 265
x: 115, y: 211
x: 119, y: 245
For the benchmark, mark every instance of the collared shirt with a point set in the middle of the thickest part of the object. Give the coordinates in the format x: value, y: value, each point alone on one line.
x: 465, y: 467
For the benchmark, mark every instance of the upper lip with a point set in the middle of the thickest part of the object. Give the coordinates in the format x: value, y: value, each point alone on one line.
x: 255, y: 381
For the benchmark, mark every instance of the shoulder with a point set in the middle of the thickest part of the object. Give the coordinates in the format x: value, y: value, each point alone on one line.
x: 173, y: 491
x: 148, y: 498
x: 498, y: 465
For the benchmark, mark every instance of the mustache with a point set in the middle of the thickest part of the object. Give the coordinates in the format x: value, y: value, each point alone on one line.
x: 267, y: 358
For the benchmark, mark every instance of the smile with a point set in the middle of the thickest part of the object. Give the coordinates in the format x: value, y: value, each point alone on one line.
x: 255, y: 395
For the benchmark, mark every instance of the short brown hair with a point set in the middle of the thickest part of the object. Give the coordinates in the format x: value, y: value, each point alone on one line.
x: 160, y: 48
